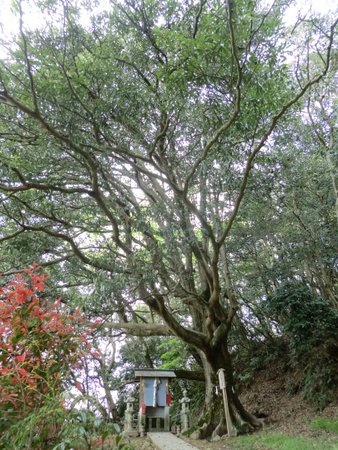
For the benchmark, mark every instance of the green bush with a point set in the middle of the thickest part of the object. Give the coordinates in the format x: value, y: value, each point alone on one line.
x: 307, y: 319
x: 310, y: 324
x: 83, y: 430
x: 37, y: 430
x: 54, y: 427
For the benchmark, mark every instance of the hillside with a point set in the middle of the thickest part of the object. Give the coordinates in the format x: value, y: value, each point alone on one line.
x: 291, y: 423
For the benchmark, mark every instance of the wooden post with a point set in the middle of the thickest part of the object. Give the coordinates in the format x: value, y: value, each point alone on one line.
x: 222, y: 384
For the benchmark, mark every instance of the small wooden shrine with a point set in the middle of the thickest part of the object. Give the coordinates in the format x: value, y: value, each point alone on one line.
x: 155, y: 399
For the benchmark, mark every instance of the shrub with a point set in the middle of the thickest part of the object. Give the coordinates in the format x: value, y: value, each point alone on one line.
x: 307, y: 319
x: 40, y: 347
x: 310, y: 324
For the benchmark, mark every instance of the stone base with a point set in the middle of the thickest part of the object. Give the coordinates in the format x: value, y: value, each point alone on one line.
x: 131, y: 433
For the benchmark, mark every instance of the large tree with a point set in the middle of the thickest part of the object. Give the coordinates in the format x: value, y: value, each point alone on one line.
x: 128, y: 145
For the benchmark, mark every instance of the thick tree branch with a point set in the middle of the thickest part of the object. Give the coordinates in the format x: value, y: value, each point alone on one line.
x: 140, y: 329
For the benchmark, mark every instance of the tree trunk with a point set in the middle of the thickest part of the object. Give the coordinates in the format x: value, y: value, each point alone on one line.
x: 219, y: 358
x: 212, y: 418
x: 206, y: 422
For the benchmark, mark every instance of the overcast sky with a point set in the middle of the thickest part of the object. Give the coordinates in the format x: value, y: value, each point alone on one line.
x: 32, y: 17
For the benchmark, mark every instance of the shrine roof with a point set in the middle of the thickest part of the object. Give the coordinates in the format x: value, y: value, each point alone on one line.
x: 151, y: 373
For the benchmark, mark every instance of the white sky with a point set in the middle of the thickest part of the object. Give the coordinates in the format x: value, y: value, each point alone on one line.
x: 34, y: 19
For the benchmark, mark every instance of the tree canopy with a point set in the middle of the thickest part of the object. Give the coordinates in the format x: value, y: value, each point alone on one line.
x: 172, y: 164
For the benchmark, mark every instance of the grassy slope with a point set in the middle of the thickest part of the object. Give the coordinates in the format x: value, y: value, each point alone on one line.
x: 291, y: 422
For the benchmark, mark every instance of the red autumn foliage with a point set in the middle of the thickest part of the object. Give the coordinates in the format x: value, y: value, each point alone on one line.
x: 40, y: 343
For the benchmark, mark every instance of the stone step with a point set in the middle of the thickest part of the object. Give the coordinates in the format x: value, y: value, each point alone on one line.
x: 167, y: 441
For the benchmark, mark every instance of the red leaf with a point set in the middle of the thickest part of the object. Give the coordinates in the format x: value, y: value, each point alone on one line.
x: 79, y: 386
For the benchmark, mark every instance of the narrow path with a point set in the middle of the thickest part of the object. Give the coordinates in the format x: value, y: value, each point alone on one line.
x: 167, y: 441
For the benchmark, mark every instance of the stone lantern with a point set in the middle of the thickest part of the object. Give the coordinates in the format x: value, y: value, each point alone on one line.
x: 129, y: 426
x: 184, y: 411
